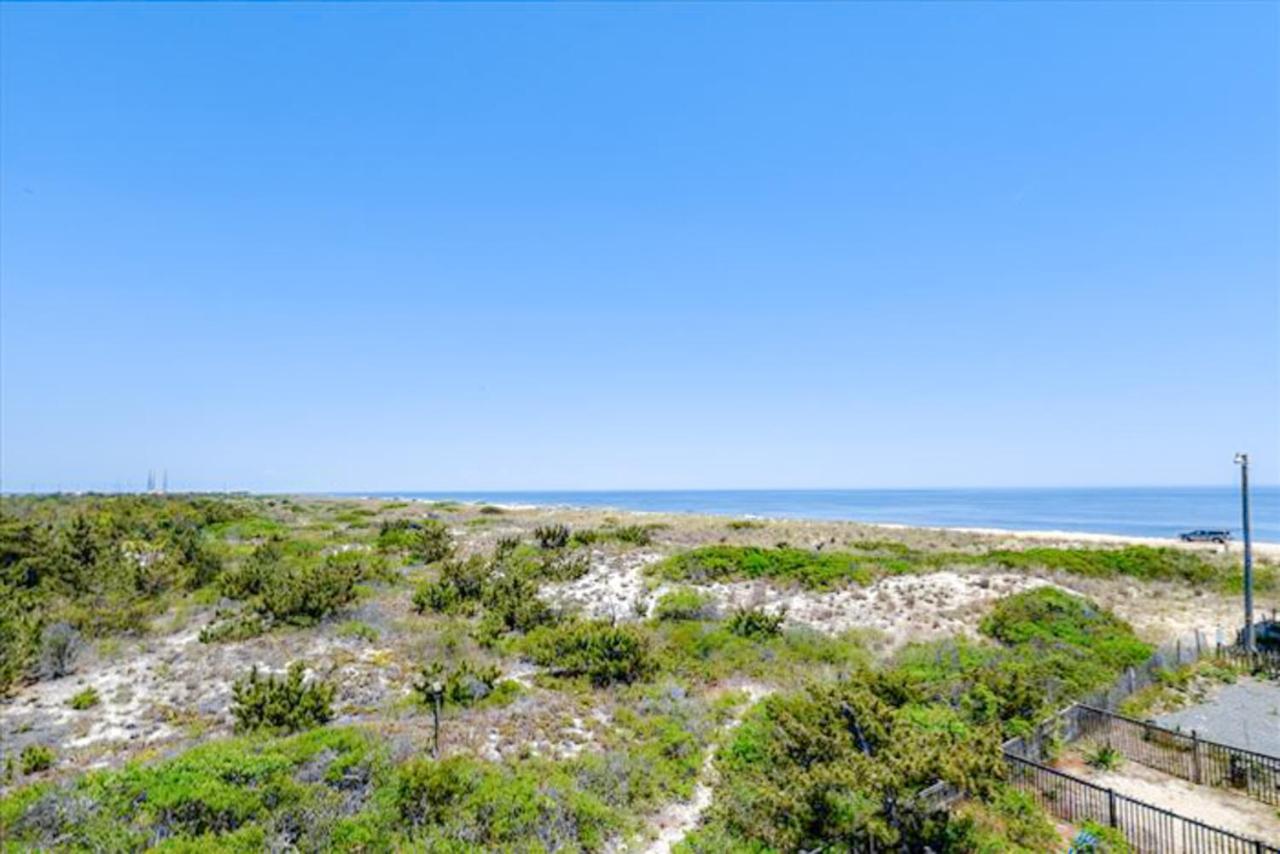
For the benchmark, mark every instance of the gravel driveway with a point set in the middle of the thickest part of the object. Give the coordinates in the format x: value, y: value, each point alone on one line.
x: 1246, y: 714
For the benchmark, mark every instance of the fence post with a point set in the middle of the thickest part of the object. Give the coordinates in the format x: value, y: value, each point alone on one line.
x: 1111, y: 807
x: 1131, y: 676
x: 1195, y: 755
x: 1178, y: 652
x: 1199, y: 646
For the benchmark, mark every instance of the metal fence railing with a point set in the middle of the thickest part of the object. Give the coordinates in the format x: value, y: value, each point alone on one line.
x: 1183, y: 755
x: 1147, y: 828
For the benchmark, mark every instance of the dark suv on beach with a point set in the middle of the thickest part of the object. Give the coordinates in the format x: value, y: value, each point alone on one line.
x: 1205, y: 536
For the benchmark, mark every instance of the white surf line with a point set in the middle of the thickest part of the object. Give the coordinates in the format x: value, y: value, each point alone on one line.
x: 678, y: 818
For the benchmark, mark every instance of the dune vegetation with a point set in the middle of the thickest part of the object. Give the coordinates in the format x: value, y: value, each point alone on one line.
x: 264, y: 672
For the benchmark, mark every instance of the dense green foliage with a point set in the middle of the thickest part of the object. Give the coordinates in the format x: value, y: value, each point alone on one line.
x: 98, y: 565
x: 733, y: 563
x: 755, y: 623
x: 841, y: 765
x: 873, y: 559
x: 281, y: 704
x: 596, y: 649
x: 684, y: 603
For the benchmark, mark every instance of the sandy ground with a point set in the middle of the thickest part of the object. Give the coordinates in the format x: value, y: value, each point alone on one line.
x: 1211, y: 805
x: 1245, y: 714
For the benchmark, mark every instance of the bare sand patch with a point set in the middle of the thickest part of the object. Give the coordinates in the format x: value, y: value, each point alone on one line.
x: 1209, y: 804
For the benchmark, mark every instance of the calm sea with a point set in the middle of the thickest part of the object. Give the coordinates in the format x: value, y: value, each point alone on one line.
x: 1145, y: 512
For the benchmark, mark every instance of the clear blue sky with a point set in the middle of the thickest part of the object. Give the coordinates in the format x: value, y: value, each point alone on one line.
x: 653, y: 245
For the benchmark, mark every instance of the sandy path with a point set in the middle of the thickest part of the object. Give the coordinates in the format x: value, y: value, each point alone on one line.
x: 677, y: 819
x: 1209, y: 804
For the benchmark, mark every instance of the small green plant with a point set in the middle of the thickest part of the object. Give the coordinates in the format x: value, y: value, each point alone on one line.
x: 463, y: 685
x: 285, y: 704
x: 86, y: 699
x: 358, y: 630
x: 756, y: 623
x: 1105, y: 758
x: 35, y: 758
x: 745, y: 525
x: 1100, y: 839
x: 432, y: 541
x: 684, y: 603
x: 457, y: 590
x: 552, y: 536
x: 490, y: 510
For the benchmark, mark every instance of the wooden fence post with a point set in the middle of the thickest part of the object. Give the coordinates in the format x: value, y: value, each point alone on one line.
x: 1195, y: 756
x: 1111, y: 807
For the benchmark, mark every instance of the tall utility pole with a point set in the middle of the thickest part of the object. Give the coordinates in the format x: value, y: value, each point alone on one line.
x: 1243, y: 460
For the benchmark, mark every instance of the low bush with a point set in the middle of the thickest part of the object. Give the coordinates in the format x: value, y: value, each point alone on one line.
x: 35, y: 758
x: 86, y: 699
x: 358, y: 630
x: 1105, y: 758
x: 684, y: 603
x: 287, y: 704
x: 60, y: 646
x: 457, y: 590
x: 755, y: 623
x: 464, y: 684
x: 552, y: 536
x: 738, y: 563
x: 432, y: 541
x: 527, y: 807
x: 598, y: 650
x: 1141, y: 562
x: 1047, y: 617
x: 836, y: 767
x: 305, y: 594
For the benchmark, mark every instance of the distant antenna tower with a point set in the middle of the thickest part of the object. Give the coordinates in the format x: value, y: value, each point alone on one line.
x: 151, y: 481
x: 164, y: 482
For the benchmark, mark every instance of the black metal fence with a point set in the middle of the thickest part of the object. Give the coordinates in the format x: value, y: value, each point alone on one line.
x: 1147, y: 828
x: 1181, y: 755
x: 1266, y: 664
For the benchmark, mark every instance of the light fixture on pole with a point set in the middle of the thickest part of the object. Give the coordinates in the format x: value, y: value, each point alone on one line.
x: 1242, y: 460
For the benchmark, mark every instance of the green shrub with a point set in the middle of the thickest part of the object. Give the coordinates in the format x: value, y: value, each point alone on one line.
x: 1097, y: 838
x: 462, y: 685
x: 432, y: 541
x: 458, y: 589
x: 551, y: 536
x: 755, y: 623
x: 1105, y: 758
x: 463, y: 804
x: 490, y: 510
x: 1142, y: 562
x: 35, y: 758
x: 1011, y: 821
x: 636, y: 535
x: 358, y: 630
x: 745, y: 525
x: 1049, y: 617
x: 737, y: 563
x: 512, y: 605
x: 684, y: 603
x: 303, y: 595
x: 280, y: 704
x: 237, y: 627
x: 836, y: 766
x: 598, y: 650
x: 86, y: 699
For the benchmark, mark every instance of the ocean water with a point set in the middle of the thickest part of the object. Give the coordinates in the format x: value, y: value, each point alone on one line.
x: 1144, y: 512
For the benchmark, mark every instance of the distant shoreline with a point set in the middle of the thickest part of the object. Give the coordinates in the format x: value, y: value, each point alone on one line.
x: 1262, y: 548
